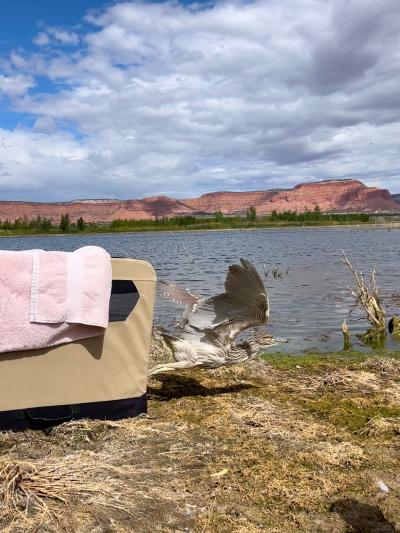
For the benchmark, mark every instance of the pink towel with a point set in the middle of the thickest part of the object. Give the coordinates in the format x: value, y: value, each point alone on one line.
x: 48, y: 298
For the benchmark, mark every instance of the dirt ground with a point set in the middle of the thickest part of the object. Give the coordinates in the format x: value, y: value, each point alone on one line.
x: 288, y: 444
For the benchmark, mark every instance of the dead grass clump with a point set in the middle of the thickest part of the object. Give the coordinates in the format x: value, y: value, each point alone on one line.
x: 333, y: 379
x: 83, y: 431
x: 159, y: 350
x: 282, y: 424
x: 379, y: 426
x: 299, y: 486
x: 391, y: 394
x: 366, y: 380
x: 8, y: 441
x: 328, y: 381
x: 23, y: 484
x: 345, y: 380
x: 37, y: 489
x: 382, y: 364
x: 340, y: 454
x: 27, y: 445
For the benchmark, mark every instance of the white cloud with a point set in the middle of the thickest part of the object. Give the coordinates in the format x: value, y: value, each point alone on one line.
x: 41, y: 39
x: 30, y: 161
x: 55, y: 35
x: 162, y: 98
x: 45, y: 124
x: 63, y: 36
x: 15, y: 85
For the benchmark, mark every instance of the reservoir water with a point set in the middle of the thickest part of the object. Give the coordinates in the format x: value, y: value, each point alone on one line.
x: 308, y: 301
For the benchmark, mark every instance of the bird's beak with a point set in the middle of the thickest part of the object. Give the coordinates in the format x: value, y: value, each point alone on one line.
x: 280, y: 340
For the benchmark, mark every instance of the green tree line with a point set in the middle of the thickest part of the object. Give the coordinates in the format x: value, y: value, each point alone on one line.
x: 43, y: 225
x: 216, y: 221
x: 249, y: 219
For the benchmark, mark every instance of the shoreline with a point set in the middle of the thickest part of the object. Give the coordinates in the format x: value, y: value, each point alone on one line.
x: 372, y: 225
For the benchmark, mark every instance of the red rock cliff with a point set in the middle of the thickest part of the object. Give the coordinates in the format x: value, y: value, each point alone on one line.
x: 334, y: 196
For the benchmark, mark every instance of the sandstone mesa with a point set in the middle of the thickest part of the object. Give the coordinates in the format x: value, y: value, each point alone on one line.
x: 331, y: 196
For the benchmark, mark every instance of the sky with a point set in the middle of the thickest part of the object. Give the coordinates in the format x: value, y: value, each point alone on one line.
x: 131, y: 99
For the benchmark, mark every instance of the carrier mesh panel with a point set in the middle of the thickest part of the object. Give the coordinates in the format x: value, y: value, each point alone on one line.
x: 124, y: 297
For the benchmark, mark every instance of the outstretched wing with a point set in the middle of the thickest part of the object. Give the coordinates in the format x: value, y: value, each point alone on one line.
x: 243, y: 305
x: 176, y: 293
x: 179, y: 295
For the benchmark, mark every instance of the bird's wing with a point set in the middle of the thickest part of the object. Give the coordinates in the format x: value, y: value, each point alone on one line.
x: 243, y: 305
x: 256, y: 313
x: 181, y: 296
x: 177, y: 293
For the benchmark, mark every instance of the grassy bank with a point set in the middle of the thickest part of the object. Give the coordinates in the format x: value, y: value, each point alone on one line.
x: 282, y: 445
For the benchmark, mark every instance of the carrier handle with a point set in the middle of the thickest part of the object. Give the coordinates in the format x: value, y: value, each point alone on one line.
x: 43, y: 422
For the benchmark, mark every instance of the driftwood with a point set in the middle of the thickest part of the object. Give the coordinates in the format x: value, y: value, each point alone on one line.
x: 367, y: 297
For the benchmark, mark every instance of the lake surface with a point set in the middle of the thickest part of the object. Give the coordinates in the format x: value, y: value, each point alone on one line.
x: 308, y: 303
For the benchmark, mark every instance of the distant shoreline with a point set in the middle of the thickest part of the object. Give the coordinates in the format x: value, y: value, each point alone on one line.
x: 366, y: 225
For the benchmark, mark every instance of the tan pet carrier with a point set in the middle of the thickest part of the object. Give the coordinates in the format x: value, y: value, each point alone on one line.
x: 101, y: 377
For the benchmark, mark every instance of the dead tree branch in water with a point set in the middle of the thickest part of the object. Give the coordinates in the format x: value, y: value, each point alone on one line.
x: 367, y: 297
x: 346, y: 336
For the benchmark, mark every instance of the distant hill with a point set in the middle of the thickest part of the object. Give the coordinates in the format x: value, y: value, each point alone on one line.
x: 331, y: 196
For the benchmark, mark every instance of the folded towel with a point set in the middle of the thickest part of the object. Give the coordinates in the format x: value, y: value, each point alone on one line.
x: 48, y: 298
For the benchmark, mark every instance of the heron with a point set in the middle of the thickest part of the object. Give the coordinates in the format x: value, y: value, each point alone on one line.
x: 205, y: 336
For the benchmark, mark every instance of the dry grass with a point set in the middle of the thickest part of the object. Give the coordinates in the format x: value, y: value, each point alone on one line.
x: 246, y: 449
x: 37, y: 489
x: 383, y: 426
x: 383, y: 365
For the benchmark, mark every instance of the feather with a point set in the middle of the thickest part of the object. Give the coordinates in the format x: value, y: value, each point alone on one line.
x: 176, y: 293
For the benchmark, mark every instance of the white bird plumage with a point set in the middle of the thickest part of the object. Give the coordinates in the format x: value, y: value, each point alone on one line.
x: 205, y: 336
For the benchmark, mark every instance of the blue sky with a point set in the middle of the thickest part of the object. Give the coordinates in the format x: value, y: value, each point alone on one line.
x: 127, y: 99
x: 21, y: 19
